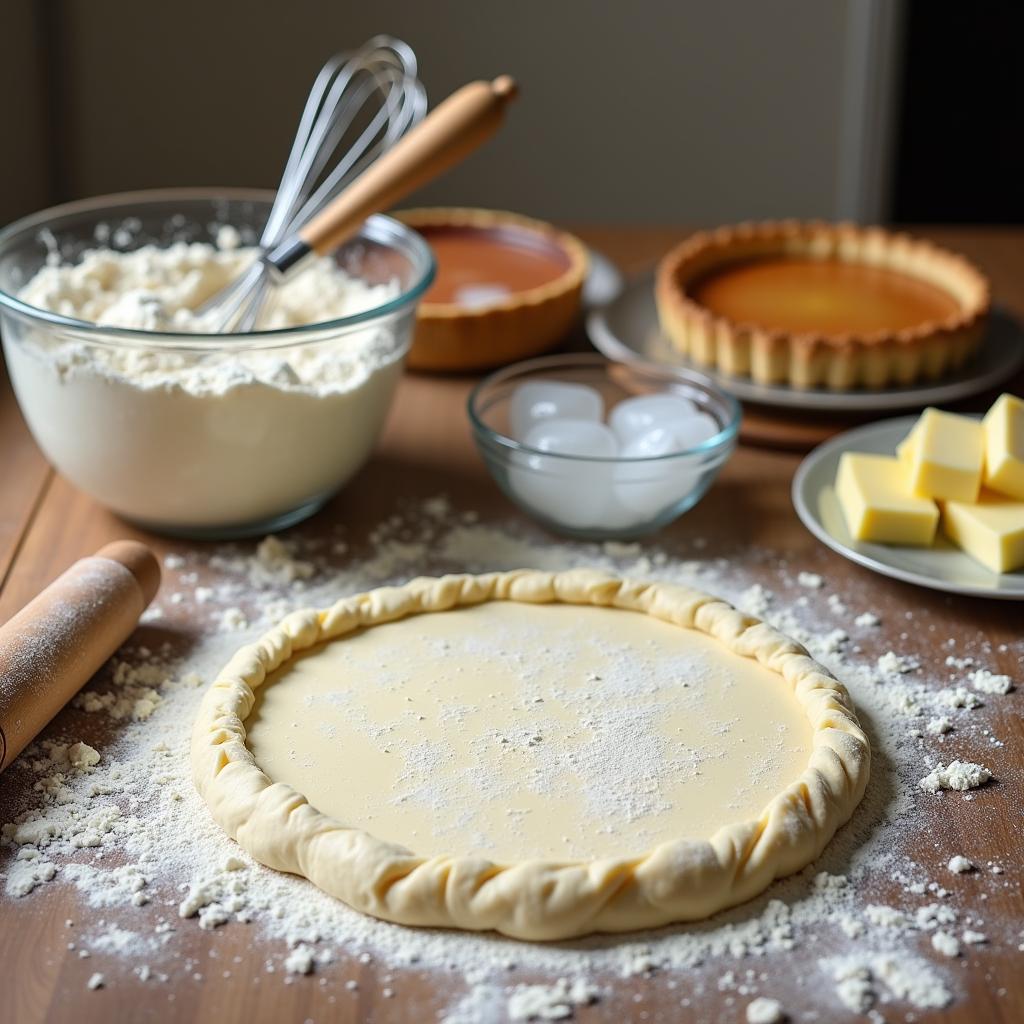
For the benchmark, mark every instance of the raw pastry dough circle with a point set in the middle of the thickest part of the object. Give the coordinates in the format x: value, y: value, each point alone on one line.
x: 683, y: 880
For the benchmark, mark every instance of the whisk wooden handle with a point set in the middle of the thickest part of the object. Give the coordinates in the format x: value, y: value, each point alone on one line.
x: 445, y: 137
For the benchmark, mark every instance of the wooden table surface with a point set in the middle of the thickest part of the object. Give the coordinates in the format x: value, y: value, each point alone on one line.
x: 45, y: 524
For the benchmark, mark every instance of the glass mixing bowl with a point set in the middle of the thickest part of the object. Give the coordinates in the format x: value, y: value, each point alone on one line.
x: 202, y: 450
x: 601, y: 498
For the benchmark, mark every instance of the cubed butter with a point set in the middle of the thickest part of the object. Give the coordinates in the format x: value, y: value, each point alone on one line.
x: 1004, y: 447
x: 878, y: 505
x: 946, y: 457
x: 990, y: 530
x: 905, y: 449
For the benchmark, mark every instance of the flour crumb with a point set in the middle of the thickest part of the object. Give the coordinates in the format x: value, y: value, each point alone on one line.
x: 892, y: 664
x: 862, y: 981
x: 300, y: 960
x: 946, y: 944
x: 95, y: 981
x: 973, y: 938
x: 959, y: 697
x: 275, y: 564
x: 960, y: 865
x: 814, y: 582
x: 957, y: 775
x: 940, y: 725
x: 854, y: 987
x: 765, y: 1011
x: 550, y: 1002
x: 987, y: 682
x: 24, y: 875
x: 884, y: 917
x: 755, y: 600
x: 233, y: 619
x: 866, y: 619
x: 82, y: 756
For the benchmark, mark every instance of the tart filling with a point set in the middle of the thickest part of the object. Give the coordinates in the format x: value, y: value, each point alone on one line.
x: 481, y: 266
x: 657, y: 805
x: 507, y: 287
x: 819, y: 305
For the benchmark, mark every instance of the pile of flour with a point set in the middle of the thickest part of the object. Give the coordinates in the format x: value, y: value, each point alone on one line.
x: 864, y: 928
x: 172, y: 435
x: 161, y: 288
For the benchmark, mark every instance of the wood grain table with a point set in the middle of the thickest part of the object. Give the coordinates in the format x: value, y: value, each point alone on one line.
x: 45, y: 524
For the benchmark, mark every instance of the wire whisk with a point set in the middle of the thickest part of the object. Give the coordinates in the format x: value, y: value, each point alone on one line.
x: 361, y: 104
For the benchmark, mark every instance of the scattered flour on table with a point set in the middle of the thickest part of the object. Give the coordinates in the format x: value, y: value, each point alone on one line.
x: 120, y: 821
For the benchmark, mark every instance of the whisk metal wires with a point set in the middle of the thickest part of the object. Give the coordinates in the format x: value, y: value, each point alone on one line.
x: 361, y: 103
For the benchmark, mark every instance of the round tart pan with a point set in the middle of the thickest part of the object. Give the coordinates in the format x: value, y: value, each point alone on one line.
x: 853, y: 306
x: 508, y: 287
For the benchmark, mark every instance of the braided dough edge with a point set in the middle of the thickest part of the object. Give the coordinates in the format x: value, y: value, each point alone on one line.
x: 681, y: 880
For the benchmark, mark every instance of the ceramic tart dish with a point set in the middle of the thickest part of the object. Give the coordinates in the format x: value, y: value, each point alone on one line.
x: 816, y: 305
x: 507, y: 287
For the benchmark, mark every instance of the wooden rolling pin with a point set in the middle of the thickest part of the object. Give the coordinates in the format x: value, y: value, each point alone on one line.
x: 55, y: 644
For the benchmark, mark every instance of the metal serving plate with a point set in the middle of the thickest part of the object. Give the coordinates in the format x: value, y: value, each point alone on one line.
x: 627, y: 328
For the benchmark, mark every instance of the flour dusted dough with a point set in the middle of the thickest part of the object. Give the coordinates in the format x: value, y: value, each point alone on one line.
x: 517, y: 731
x: 684, y: 879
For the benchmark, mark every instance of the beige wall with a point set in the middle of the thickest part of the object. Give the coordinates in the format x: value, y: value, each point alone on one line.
x: 632, y: 110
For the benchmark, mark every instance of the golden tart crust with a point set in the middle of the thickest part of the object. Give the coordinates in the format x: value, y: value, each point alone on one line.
x: 451, y: 336
x: 826, y: 357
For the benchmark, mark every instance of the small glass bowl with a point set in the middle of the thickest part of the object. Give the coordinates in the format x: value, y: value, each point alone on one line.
x: 251, y: 458
x: 601, y: 498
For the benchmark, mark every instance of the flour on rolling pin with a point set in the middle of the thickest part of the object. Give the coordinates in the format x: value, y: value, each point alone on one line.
x: 54, y: 645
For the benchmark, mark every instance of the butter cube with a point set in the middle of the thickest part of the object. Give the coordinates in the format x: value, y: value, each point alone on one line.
x: 1004, y: 446
x: 878, y: 505
x: 946, y: 457
x: 990, y: 530
x: 905, y: 449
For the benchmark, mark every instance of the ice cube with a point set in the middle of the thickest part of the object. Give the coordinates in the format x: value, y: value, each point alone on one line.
x: 652, y: 484
x: 694, y: 430
x: 635, y: 416
x: 540, y: 400
x: 573, y: 493
x: 572, y: 436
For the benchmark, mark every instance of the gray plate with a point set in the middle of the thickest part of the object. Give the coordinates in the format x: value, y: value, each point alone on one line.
x: 627, y: 328
x: 942, y: 567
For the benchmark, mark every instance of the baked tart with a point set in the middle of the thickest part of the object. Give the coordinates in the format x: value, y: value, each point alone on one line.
x: 507, y: 287
x: 818, y: 305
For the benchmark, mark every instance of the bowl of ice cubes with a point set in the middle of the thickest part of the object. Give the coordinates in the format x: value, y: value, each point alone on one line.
x: 602, y: 450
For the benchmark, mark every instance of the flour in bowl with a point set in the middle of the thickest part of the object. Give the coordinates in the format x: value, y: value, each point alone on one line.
x: 173, y: 432
x: 156, y: 288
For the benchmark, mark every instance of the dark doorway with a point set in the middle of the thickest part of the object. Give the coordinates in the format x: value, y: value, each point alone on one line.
x: 960, y: 128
